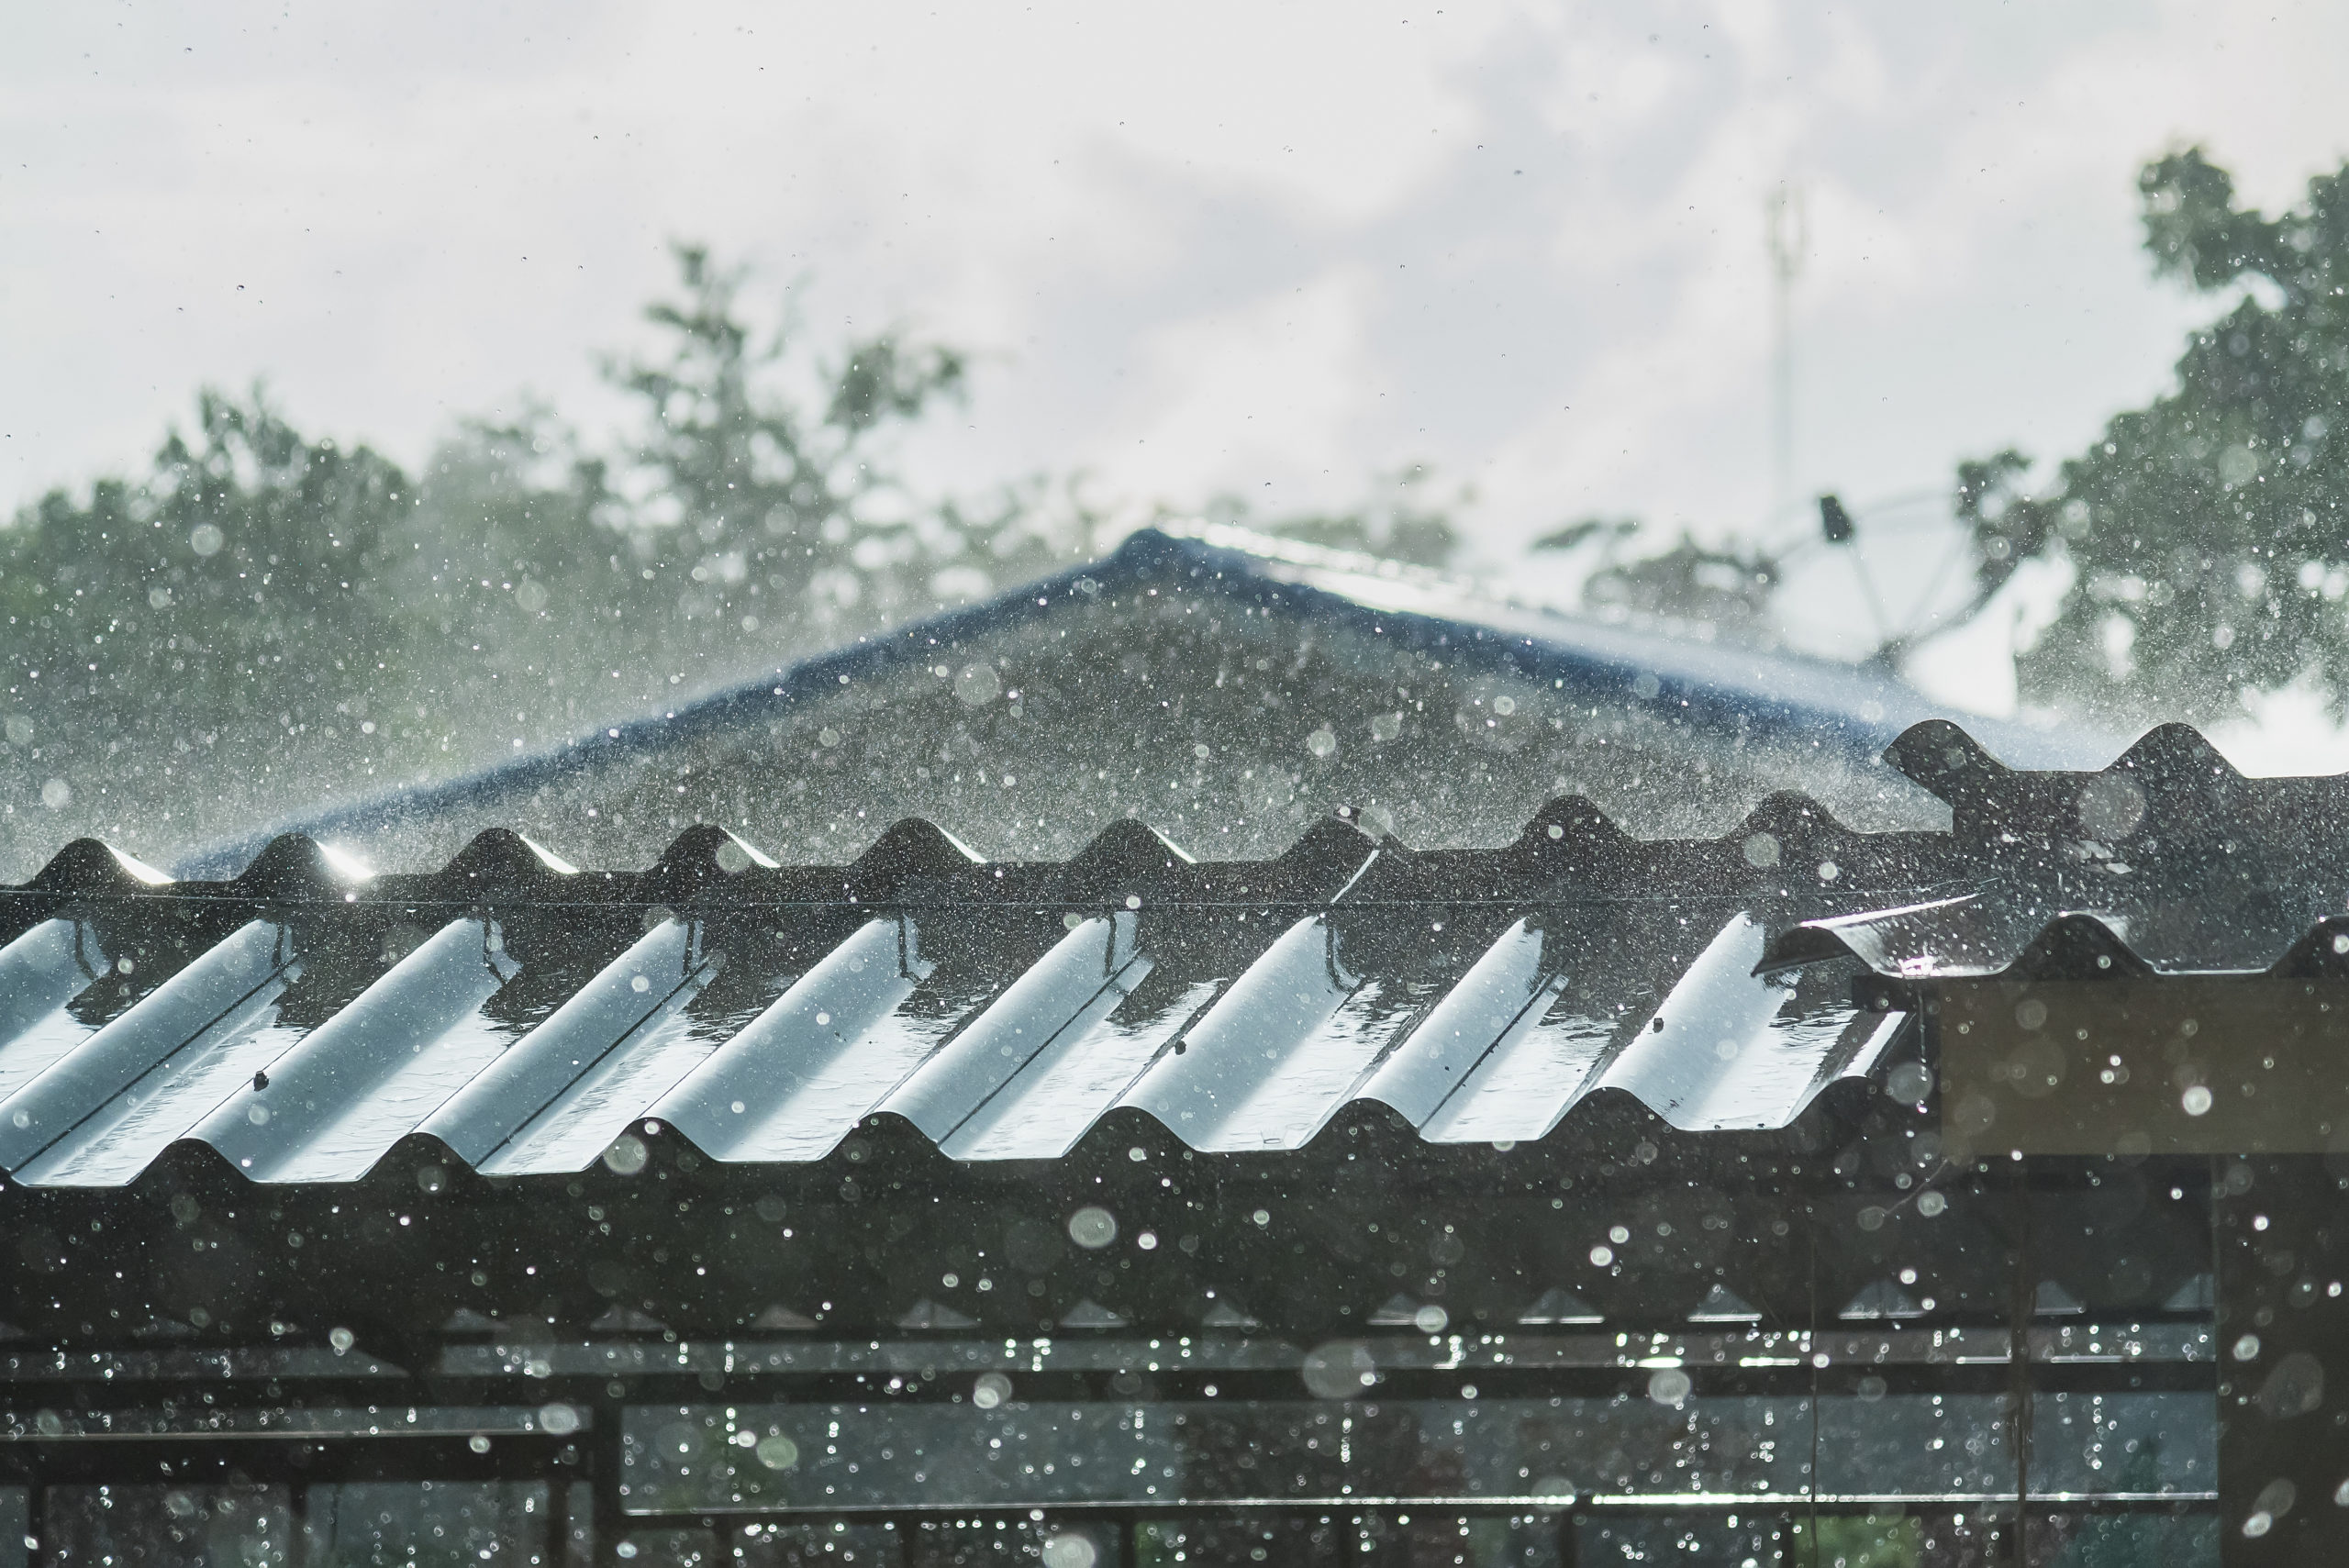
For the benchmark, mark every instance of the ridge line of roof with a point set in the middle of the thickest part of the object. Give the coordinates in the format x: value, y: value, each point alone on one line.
x: 1746, y: 691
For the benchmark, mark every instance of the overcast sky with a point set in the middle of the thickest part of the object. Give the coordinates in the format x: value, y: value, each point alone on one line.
x: 1256, y: 247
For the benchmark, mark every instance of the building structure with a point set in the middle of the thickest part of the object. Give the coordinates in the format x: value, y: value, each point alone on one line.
x: 1956, y: 1191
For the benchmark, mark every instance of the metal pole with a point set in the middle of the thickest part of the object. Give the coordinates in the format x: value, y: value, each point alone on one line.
x: 1786, y: 230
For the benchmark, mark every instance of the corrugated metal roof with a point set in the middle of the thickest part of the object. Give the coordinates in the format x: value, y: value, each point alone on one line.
x: 2168, y: 862
x: 305, y: 1016
x: 1237, y: 642
x: 525, y: 1014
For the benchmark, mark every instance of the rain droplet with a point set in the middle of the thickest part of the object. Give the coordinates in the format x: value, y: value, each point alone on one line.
x: 991, y: 1389
x: 2111, y: 807
x: 2196, y: 1100
x: 1070, y: 1551
x: 1910, y: 1083
x: 1092, y: 1226
x: 1339, y: 1370
x: 977, y: 686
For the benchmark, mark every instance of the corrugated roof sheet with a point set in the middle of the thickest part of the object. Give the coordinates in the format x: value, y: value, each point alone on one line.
x: 1453, y: 715
x: 307, y: 1015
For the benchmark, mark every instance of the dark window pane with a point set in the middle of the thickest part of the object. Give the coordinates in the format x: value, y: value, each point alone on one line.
x: 388, y: 1524
x: 167, y: 1526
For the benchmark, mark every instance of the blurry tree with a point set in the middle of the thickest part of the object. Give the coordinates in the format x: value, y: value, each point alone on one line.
x: 1722, y: 590
x: 1716, y: 590
x: 756, y: 498
x: 284, y: 605
x: 1400, y: 518
x: 2205, y: 530
x: 232, y: 592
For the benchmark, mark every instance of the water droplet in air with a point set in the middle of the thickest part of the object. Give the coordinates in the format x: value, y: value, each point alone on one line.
x: 1910, y: 1083
x: 1339, y: 1370
x: 977, y: 686
x: 1070, y: 1551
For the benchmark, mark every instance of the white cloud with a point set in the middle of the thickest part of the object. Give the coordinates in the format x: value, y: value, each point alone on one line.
x: 1263, y: 400
x: 1196, y: 246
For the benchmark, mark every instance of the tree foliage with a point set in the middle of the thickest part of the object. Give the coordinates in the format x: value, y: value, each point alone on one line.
x: 1709, y: 591
x: 2205, y: 530
x: 1402, y: 518
x: 278, y: 603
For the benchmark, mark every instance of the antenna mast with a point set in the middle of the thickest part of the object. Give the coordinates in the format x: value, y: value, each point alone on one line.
x: 1788, y: 231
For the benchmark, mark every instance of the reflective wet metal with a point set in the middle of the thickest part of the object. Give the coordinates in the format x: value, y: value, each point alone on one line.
x: 310, y: 1015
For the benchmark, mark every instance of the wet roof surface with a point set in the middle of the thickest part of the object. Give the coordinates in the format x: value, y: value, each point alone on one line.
x: 1228, y: 696
x: 303, y: 1018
